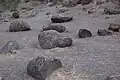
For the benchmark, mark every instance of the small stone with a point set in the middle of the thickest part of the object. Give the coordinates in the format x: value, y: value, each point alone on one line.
x: 114, y: 27
x: 15, y: 14
x: 104, y: 32
x: 41, y: 67
x: 99, y: 2
x: 61, y: 19
x: 113, y: 77
x: 110, y: 11
x: 10, y: 46
x: 107, y: 17
x: 63, y: 10
x: 48, y: 13
x: 85, y: 2
x: 83, y: 33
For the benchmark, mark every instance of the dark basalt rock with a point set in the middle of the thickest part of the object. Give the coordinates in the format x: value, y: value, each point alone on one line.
x: 61, y: 19
x: 41, y: 67
x: 104, y: 32
x: 83, y: 33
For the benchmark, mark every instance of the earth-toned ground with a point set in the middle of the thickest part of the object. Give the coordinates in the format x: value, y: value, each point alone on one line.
x: 87, y: 59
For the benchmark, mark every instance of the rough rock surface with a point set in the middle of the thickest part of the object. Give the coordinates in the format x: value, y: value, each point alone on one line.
x: 40, y: 68
x: 114, y: 27
x: 61, y: 19
x: 64, y: 42
x: 47, y: 39
x: 85, y: 2
x: 19, y: 25
x: 15, y: 14
x: 52, y: 39
x: 55, y: 26
x: 83, y: 33
x: 103, y: 32
x: 110, y: 11
x: 10, y: 46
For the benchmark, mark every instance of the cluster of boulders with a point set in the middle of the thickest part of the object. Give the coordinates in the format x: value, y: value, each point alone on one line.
x: 50, y: 36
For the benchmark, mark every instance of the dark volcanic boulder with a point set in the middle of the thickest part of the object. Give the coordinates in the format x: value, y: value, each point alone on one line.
x: 19, y: 25
x: 85, y: 2
x: 114, y: 27
x: 10, y: 46
x: 64, y: 42
x: 113, y: 77
x: 52, y: 39
x: 83, y: 33
x: 104, y: 32
x: 15, y: 14
x: 47, y: 39
x: 56, y: 26
x: 110, y: 11
x: 41, y: 67
x: 61, y: 19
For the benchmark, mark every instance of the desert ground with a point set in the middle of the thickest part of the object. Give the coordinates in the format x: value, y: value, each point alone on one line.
x: 92, y: 58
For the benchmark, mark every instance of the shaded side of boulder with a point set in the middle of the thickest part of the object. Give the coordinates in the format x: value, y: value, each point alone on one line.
x: 10, y: 46
x: 15, y: 14
x: 83, y: 33
x: 114, y: 27
x: 58, y: 27
x: 47, y: 39
x: 19, y: 25
x: 40, y: 68
x: 113, y: 77
x: 61, y: 19
x: 110, y: 11
x: 103, y: 32
x: 64, y: 42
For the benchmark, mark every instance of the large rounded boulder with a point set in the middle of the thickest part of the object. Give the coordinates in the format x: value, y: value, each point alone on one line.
x: 83, y: 33
x: 52, y: 39
x: 41, y: 67
x: 61, y: 19
x: 55, y: 26
x: 19, y: 25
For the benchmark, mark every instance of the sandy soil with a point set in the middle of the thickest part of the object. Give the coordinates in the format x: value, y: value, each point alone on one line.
x: 87, y: 59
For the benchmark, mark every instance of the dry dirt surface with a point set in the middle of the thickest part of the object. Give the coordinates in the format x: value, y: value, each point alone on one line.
x: 91, y: 58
